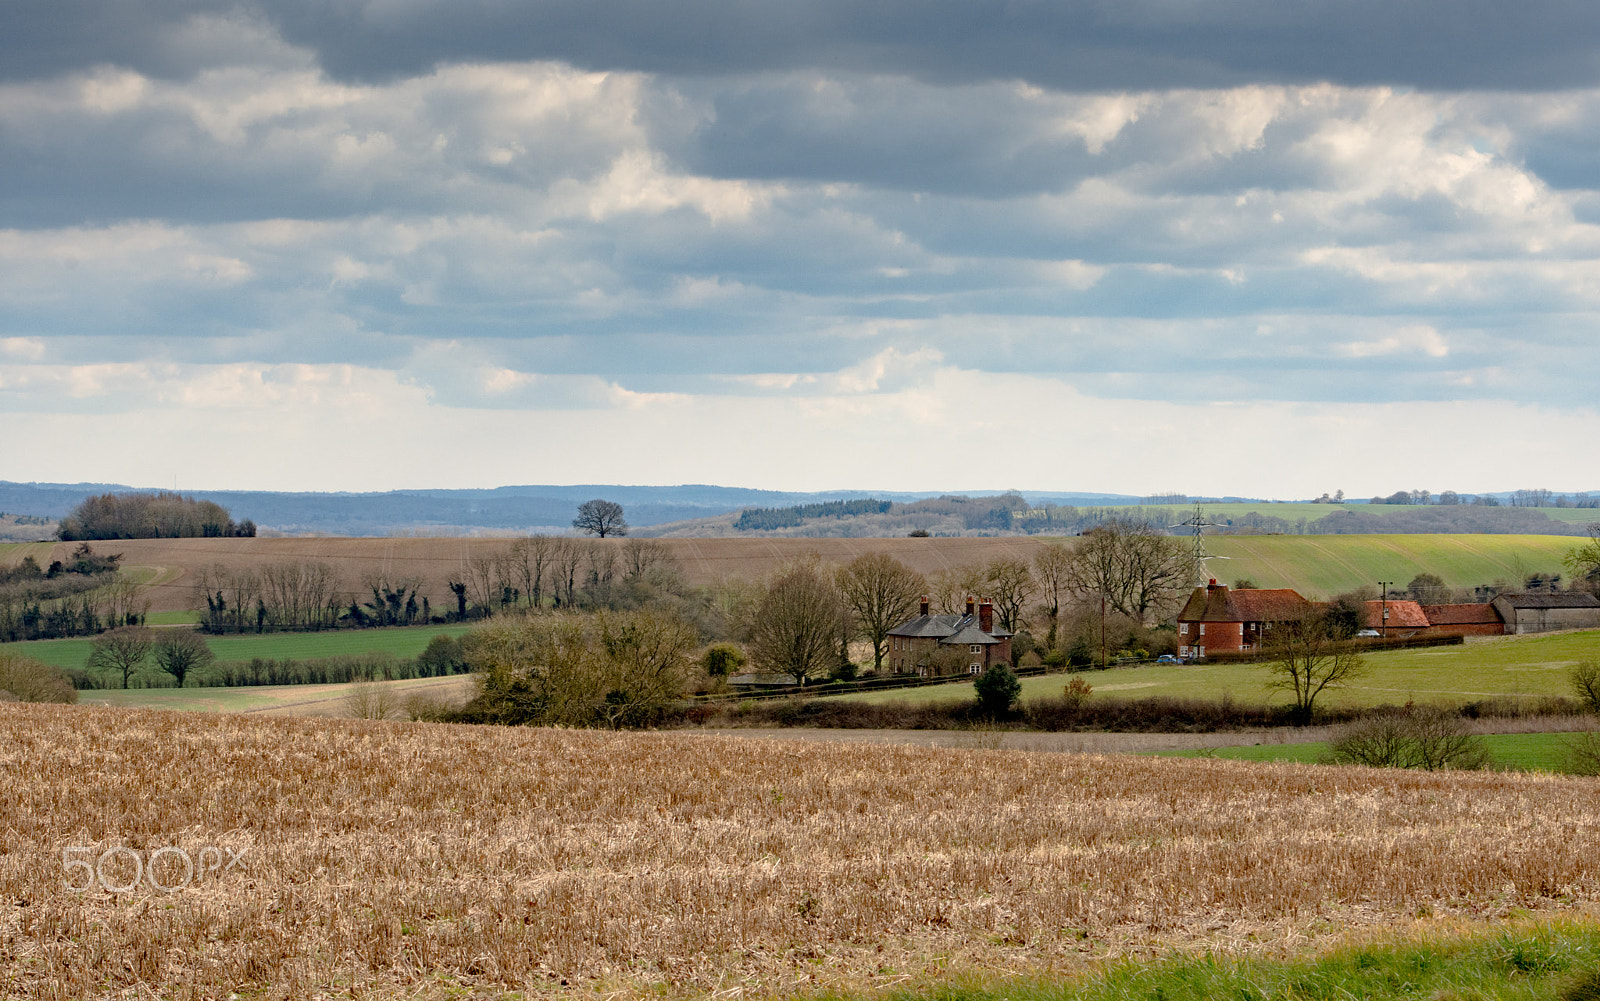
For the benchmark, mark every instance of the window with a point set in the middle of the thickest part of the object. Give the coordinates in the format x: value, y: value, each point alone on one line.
x: 1202, y: 629
x: 1183, y: 629
x: 975, y: 669
x: 977, y: 648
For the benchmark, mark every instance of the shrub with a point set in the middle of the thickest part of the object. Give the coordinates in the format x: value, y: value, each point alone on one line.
x: 997, y: 689
x: 372, y: 700
x: 29, y: 680
x: 441, y: 657
x: 722, y: 659
x: 1426, y: 737
x: 1585, y: 681
x: 1581, y: 754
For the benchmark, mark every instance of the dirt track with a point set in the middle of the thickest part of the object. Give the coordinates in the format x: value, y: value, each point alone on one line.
x: 704, y: 561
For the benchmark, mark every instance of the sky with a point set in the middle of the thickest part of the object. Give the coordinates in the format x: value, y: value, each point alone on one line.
x: 1252, y: 247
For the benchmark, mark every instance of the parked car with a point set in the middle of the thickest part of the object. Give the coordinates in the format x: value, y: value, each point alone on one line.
x: 1368, y: 634
x: 1168, y: 658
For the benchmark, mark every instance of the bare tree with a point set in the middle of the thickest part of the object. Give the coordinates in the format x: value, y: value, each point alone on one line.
x: 530, y: 562
x: 882, y: 592
x: 180, y: 652
x: 1584, y: 561
x: 1009, y: 584
x: 600, y: 517
x: 647, y: 664
x: 1310, y: 655
x: 1052, y: 566
x: 300, y: 594
x: 1138, y: 570
x: 796, y: 625
x: 566, y: 559
x: 121, y: 651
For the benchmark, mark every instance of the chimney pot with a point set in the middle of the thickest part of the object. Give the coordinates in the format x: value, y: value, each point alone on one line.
x: 971, y: 601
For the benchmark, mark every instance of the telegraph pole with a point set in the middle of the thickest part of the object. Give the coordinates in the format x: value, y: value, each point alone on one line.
x: 1383, y: 604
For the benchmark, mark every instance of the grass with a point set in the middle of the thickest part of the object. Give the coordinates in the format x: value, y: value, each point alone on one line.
x: 1530, y: 666
x: 388, y: 860
x: 1524, y: 961
x: 400, y: 641
x: 299, y: 700
x: 1526, y: 752
x: 1320, y: 566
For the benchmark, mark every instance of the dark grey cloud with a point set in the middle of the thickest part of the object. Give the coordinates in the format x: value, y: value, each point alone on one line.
x: 1066, y: 44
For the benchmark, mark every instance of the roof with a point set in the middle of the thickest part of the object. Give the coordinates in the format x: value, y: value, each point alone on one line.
x: 1550, y: 599
x: 948, y: 629
x: 1219, y: 603
x: 1402, y: 615
x: 1462, y: 615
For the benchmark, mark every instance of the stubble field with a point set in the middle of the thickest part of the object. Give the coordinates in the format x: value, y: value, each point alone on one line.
x: 412, y: 860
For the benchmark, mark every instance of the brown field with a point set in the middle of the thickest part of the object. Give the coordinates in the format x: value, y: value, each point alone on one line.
x: 168, y: 565
x: 419, y: 861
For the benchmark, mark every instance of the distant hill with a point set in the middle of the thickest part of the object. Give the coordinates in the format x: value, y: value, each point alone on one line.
x: 499, y: 511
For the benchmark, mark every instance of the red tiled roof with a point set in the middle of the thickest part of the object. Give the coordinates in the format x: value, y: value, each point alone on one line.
x: 1222, y: 604
x: 1402, y: 615
x: 1462, y: 615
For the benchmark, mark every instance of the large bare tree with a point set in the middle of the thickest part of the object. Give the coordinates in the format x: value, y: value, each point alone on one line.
x: 881, y: 592
x: 121, y: 651
x: 600, y: 517
x: 1009, y: 584
x: 1140, y: 571
x: 797, y: 622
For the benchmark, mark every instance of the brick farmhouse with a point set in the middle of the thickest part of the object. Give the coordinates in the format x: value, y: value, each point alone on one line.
x: 914, y: 644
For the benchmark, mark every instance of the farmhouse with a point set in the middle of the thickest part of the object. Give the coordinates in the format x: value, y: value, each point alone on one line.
x: 1219, y: 620
x: 928, y: 644
x: 1545, y: 612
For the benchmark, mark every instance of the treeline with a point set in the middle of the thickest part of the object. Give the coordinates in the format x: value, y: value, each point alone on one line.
x: 80, y: 596
x: 441, y: 659
x: 535, y: 572
x: 768, y: 518
x: 1539, y: 497
x: 162, y: 515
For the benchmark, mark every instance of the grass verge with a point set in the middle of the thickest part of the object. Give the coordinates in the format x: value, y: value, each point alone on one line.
x: 1554, y: 960
x: 1522, y: 752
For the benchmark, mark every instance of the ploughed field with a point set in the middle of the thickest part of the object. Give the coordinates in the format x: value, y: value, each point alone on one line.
x: 414, y: 860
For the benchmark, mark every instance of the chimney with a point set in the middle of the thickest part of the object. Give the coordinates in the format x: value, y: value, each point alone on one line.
x: 971, y: 601
x: 1211, y: 585
x: 924, y: 604
x: 986, y: 616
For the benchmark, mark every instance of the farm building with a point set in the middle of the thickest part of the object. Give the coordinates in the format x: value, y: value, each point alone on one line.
x: 916, y: 644
x: 1394, y: 619
x: 1217, y: 619
x: 1463, y: 620
x: 1545, y: 612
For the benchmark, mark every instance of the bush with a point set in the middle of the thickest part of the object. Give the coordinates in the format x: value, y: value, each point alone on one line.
x: 722, y: 659
x: 997, y: 689
x: 443, y: 656
x: 1585, y: 681
x: 1425, y: 737
x: 29, y: 680
x: 1581, y: 755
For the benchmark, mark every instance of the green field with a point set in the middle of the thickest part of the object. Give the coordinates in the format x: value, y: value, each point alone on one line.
x: 1527, y: 666
x: 402, y: 642
x: 1320, y: 566
x: 1525, y: 752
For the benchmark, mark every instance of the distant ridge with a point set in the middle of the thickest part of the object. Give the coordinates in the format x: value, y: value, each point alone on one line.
x: 532, y: 507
